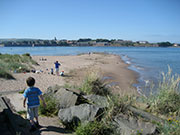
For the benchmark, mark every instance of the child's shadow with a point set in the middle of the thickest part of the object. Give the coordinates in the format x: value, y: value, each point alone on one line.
x: 52, y: 129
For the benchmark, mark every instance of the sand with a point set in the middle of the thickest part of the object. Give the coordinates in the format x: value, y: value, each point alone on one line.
x: 109, y: 67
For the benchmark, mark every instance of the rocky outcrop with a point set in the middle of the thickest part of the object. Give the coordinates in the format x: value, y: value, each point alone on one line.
x: 75, y: 108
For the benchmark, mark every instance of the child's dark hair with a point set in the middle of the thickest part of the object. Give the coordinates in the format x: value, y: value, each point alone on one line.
x: 30, y: 81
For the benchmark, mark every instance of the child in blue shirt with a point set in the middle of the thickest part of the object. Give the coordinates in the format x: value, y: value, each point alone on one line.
x: 32, y: 95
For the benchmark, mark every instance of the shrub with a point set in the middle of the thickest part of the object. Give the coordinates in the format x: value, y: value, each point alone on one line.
x: 51, y: 107
x: 26, y: 54
x: 93, y: 85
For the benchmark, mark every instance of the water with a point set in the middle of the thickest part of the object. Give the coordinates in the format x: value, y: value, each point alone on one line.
x: 149, y: 62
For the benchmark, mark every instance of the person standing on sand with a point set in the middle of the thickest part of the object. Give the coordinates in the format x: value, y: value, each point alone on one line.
x: 32, y: 94
x: 57, y: 64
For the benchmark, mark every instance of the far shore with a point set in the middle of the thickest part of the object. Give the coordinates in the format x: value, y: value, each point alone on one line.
x: 111, y: 68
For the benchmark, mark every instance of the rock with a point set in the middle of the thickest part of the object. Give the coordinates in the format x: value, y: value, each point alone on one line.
x: 15, y: 106
x: 64, y: 98
x: 145, y: 115
x: 97, y: 100
x: 13, y: 121
x: 131, y: 125
x: 81, y: 113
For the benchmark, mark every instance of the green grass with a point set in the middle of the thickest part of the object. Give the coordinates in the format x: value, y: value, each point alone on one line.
x: 94, y: 128
x: 14, y: 63
x: 93, y: 85
x: 51, y: 107
x: 21, y: 91
x: 166, y: 103
x: 167, y: 99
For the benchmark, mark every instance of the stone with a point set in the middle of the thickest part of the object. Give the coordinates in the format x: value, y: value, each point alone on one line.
x: 97, y: 100
x: 63, y: 97
x: 81, y: 113
x: 131, y: 125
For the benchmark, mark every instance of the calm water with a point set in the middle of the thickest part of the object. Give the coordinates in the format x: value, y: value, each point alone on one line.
x: 148, y: 62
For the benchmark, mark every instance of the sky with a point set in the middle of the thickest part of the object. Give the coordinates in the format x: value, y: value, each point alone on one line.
x: 137, y: 20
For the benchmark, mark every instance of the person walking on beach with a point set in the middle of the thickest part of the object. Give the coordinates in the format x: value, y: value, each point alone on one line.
x: 32, y: 94
x: 57, y: 64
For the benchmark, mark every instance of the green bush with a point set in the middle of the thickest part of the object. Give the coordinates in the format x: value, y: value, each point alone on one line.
x: 51, y: 107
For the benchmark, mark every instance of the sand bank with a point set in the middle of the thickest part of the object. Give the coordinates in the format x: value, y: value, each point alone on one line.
x: 109, y: 67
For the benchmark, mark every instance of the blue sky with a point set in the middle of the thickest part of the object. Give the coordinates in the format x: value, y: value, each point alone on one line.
x: 151, y: 20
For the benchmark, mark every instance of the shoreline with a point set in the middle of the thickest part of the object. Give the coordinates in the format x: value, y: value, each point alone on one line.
x: 76, y: 67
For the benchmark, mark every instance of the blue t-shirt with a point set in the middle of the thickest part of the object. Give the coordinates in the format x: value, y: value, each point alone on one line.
x: 32, y: 94
x: 57, y: 65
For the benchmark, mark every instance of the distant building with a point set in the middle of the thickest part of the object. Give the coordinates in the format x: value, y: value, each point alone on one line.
x: 83, y: 43
x: 142, y: 42
x: 175, y: 45
x: 102, y: 43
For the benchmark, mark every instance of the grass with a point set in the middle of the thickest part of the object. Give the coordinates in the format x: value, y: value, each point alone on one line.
x: 51, y: 107
x: 93, y: 85
x: 94, y: 128
x: 15, y: 63
x: 167, y: 99
x: 166, y: 103
x: 22, y: 91
x: 21, y: 112
x: 170, y: 127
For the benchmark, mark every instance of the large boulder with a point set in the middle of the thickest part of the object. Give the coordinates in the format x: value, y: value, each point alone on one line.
x: 63, y: 97
x: 130, y: 125
x: 81, y: 113
x: 97, y: 100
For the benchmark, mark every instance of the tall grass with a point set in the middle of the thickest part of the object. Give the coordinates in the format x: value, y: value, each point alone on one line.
x: 166, y: 103
x: 14, y: 63
x: 93, y: 85
x: 167, y: 99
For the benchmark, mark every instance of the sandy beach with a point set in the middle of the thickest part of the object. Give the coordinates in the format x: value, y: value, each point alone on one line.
x: 110, y: 68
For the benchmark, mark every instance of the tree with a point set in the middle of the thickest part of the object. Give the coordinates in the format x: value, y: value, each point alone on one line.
x: 165, y: 44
